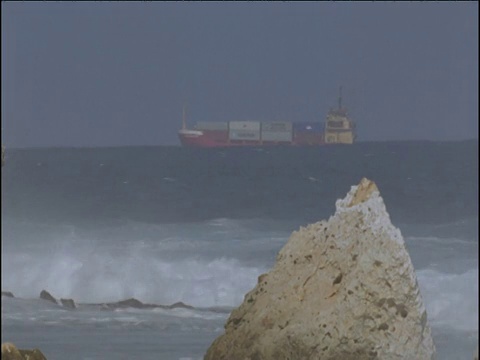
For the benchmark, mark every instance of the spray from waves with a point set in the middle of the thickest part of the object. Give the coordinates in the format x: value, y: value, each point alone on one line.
x: 451, y: 299
x: 102, y: 277
x: 441, y: 241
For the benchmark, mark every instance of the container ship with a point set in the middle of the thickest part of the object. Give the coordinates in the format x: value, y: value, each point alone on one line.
x: 338, y: 128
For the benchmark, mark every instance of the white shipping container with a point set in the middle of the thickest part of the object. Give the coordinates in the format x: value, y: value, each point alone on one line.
x: 244, y: 125
x: 283, y: 136
x: 277, y: 126
x: 243, y: 135
x: 210, y: 125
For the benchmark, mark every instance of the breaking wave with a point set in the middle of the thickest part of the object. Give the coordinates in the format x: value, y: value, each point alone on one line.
x: 451, y: 299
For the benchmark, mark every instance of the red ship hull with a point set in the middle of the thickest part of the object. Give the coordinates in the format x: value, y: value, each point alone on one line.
x: 217, y: 139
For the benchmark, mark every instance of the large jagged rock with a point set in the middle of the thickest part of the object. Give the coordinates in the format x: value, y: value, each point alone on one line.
x: 10, y: 352
x: 342, y: 289
x: 34, y: 354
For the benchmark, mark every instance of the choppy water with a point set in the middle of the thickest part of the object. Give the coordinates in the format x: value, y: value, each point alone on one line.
x: 172, y: 224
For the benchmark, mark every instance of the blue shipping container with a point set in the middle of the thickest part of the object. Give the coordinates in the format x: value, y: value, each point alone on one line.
x: 309, y: 127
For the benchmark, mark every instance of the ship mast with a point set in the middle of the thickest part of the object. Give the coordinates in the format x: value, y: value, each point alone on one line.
x: 340, y: 99
x: 184, y: 123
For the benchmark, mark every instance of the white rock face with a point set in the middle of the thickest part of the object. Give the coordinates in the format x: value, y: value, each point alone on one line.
x: 341, y: 289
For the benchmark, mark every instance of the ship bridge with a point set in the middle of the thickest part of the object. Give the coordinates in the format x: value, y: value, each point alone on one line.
x: 339, y: 128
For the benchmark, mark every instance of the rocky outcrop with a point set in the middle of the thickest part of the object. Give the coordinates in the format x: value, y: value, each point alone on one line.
x: 45, y: 295
x: 128, y: 303
x: 123, y: 304
x: 10, y: 352
x: 340, y: 289
x: 180, y: 305
x: 34, y: 354
x: 137, y: 304
x: 7, y: 294
x: 68, y: 303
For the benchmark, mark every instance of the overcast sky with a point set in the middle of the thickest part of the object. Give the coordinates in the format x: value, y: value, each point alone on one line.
x: 117, y: 73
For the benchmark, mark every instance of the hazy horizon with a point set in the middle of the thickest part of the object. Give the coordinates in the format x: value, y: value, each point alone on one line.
x: 117, y: 74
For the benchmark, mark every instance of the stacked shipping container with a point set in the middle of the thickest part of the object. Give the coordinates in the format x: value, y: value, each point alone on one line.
x: 213, y: 126
x: 308, y: 133
x: 244, y: 130
x: 278, y: 132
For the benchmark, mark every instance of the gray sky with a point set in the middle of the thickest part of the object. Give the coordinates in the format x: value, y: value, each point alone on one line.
x: 117, y: 73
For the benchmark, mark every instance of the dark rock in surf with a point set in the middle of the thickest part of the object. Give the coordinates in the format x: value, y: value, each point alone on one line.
x: 129, y: 303
x: 180, y: 305
x: 7, y: 294
x: 137, y: 304
x: 45, y: 295
x: 68, y: 303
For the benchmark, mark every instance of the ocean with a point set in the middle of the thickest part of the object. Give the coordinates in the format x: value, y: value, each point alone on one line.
x: 170, y: 224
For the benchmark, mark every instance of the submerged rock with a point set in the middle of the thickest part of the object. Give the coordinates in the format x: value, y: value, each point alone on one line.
x: 340, y: 289
x: 68, y: 303
x: 45, y: 295
x: 10, y: 352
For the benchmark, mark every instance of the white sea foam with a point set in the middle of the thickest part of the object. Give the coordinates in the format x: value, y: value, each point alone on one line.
x: 451, y: 300
x: 444, y: 241
x: 210, y: 264
x: 102, y: 277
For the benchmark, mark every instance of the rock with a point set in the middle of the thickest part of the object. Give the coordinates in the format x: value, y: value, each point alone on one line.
x: 34, y: 354
x: 10, y: 352
x: 137, y: 304
x: 68, y: 303
x: 129, y: 303
x: 180, y: 305
x: 7, y: 294
x: 45, y: 295
x: 340, y: 289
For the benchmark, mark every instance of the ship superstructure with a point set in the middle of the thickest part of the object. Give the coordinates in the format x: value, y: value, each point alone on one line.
x: 339, y: 128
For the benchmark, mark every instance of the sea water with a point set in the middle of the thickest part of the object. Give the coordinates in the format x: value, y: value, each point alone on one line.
x: 168, y: 224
